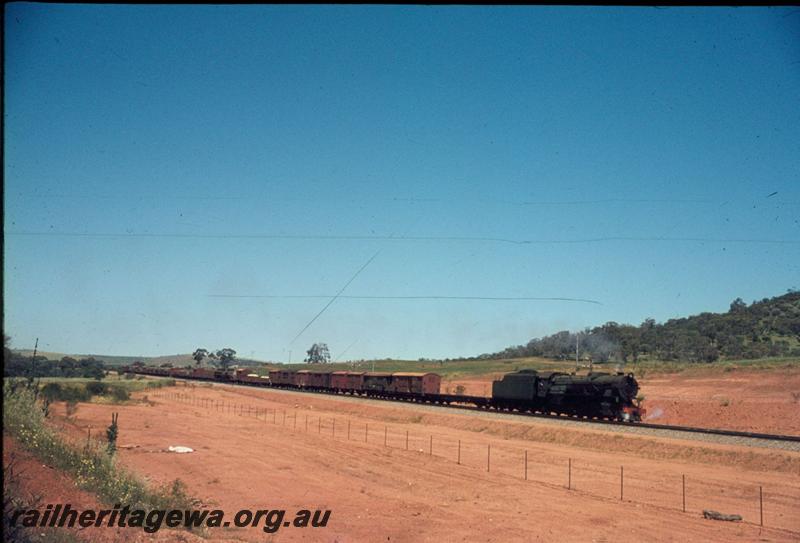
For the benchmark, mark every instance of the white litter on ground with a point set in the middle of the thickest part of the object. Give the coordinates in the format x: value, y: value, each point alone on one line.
x: 180, y: 449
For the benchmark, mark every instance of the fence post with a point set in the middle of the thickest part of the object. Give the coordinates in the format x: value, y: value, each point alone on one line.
x: 526, y: 464
x: 761, y: 504
x: 621, y: 472
x: 683, y: 479
x: 569, y: 475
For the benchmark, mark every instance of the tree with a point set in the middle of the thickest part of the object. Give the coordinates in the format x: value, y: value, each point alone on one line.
x: 226, y: 357
x: 318, y: 354
x: 199, y: 355
x: 738, y: 305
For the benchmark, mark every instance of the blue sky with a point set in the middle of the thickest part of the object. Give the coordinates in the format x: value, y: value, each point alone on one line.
x: 157, y: 158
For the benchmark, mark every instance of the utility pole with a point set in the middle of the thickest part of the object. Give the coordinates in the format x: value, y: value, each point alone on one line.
x: 33, y: 364
x: 577, y: 347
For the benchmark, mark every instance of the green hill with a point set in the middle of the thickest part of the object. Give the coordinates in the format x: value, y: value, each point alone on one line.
x: 765, y: 328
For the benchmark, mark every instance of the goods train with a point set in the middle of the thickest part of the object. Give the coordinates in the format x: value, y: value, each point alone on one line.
x: 595, y: 395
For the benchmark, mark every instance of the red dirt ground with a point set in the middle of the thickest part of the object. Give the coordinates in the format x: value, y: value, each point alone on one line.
x: 40, y: 485
x: 745, y: 400
x: 387, y: 493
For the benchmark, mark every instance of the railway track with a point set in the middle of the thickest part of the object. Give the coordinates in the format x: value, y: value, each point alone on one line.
x: 480, y: 404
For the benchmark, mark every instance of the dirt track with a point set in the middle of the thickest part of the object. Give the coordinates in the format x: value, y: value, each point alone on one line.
x: 388, y: 493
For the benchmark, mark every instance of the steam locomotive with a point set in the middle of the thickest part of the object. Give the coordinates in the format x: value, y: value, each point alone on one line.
x: 602, y: 395
x: 596, y: 395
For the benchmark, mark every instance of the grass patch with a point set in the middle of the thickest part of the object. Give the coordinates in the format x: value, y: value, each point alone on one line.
x: 91, y: 467
x: 78, y: 389
x: 131, y: 385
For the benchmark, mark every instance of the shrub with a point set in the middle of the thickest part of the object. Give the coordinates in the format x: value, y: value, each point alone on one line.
x: 96, y: 388
x: 120, y: 394
x: 111, y: 433
x: 75, y: 394
x: 52, y: 392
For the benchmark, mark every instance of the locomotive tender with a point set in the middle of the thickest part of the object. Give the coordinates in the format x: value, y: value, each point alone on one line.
x: 595, y: 395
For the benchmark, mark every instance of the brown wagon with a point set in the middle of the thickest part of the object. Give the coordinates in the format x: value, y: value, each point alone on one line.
x: 320, y: 380
x: 375, y: 381
x: 349, y: 381
x: 339, y: 380
x: 302, y: 378
x: 416, y: 383
x: 282, y: 377
x: 203, y: 373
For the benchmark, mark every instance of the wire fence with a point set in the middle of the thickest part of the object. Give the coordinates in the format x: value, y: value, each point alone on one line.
x: 754, y: 503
